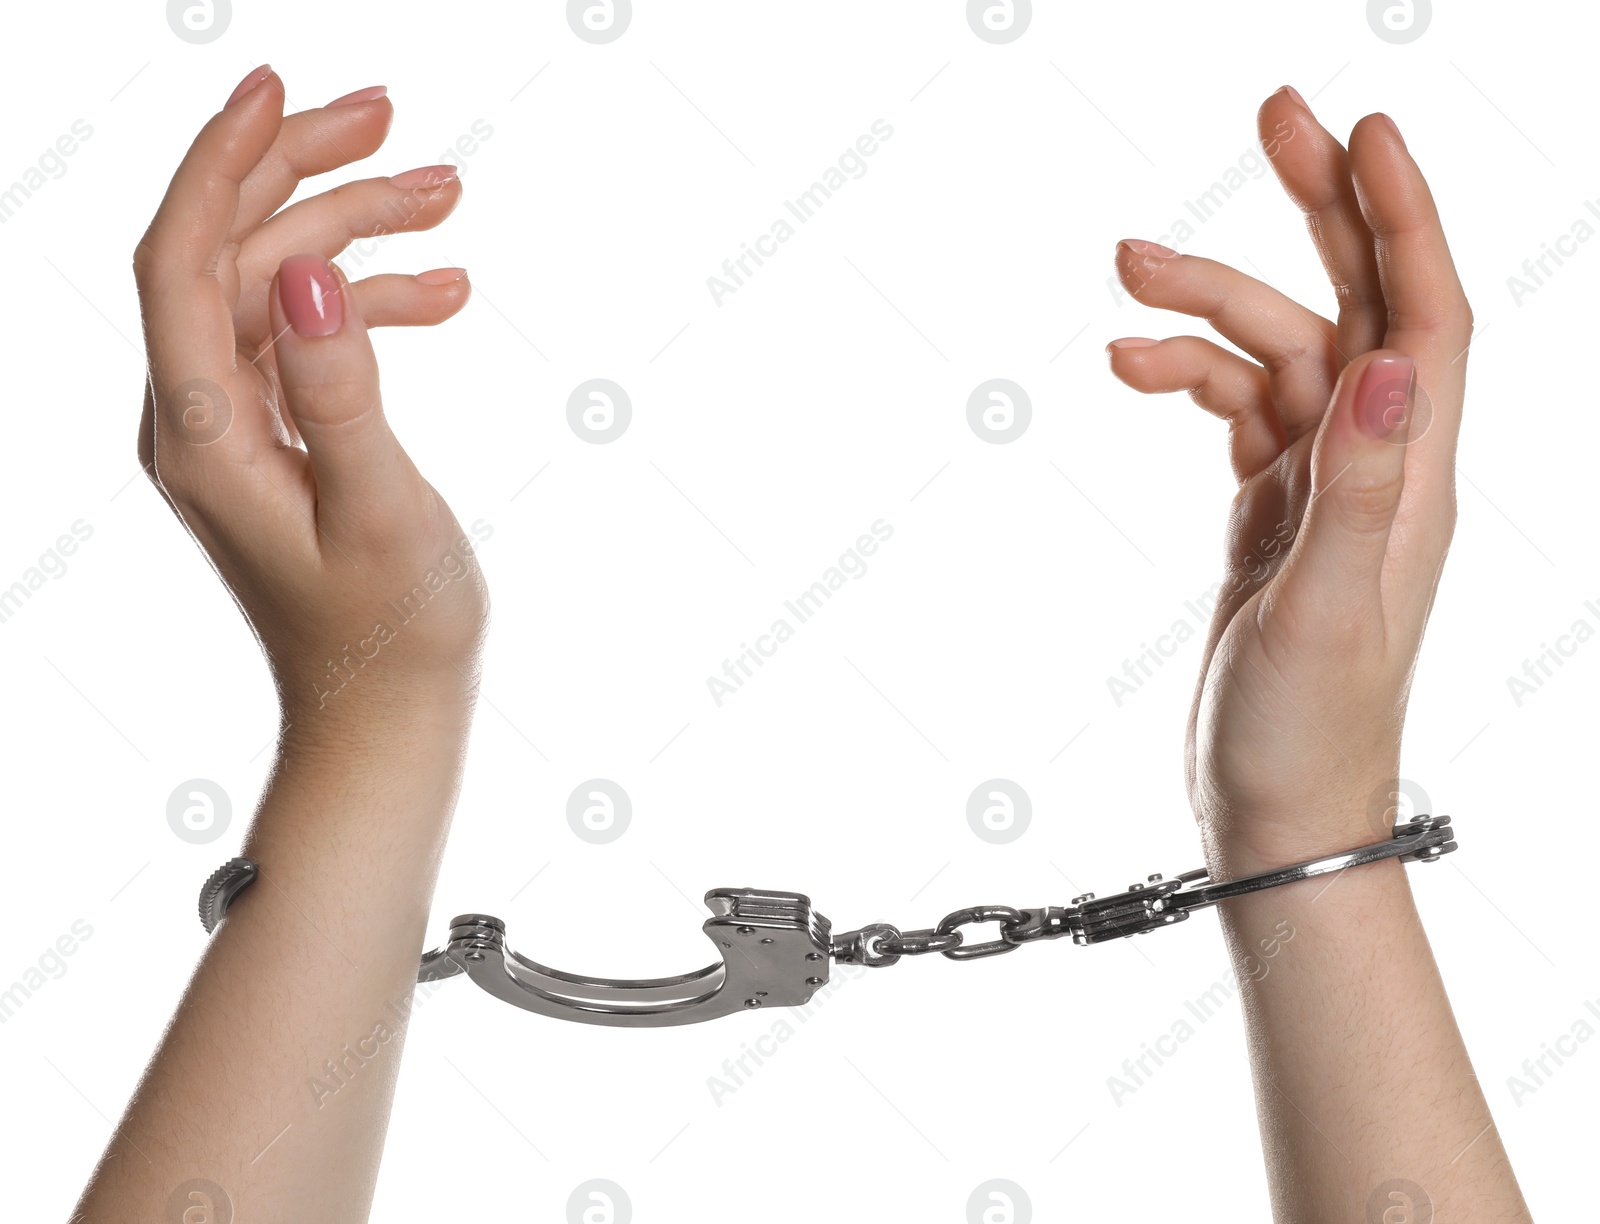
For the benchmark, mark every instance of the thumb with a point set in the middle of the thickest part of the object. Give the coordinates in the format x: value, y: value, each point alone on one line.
x: 1357, y: 475
x: 329, y: 377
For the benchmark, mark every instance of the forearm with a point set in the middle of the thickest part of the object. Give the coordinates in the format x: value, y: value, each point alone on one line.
x: 1361, y: 1076
x: 275, y: 1079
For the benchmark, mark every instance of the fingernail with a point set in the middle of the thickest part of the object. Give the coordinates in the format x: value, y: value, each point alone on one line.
x: 360, y: 95
x: 1140, y: 247
x: 310, y: 294
x: 428, y: 177
x: 441, y: 276
x: 1294, y: 96
x: 1393, y: 127
x: 1134, y: 342
x: 1384, y: 396
x: 256, y: 76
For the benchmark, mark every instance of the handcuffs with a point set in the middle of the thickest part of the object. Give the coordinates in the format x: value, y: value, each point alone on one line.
x: 776, y: 950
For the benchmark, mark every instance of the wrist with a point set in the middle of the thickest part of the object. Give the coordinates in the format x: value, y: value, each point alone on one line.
x: 382, y: 793
x: 1236, y: 844
x: 1276, y: 820
x: 369, y: 680
x: 382, y: 751
x: 377, y: 713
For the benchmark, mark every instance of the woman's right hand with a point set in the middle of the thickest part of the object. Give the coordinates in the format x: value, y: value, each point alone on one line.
x: 263, y: 425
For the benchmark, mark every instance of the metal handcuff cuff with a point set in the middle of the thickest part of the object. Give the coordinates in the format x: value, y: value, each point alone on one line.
x: 776, y: 950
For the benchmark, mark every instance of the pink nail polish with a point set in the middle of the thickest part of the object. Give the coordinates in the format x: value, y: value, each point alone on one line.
x: 426, y: 178
x: 1140, y: 247
x: 255, y: 77
x: 441, y: 276
x: 1384, y: 396
x: 311, y: 295
x: 360, y: 95
x: 1134, y: 342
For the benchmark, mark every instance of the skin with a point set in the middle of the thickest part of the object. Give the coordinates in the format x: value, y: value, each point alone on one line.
x: 318, y: 523
x: 316, y: 519
x: 1335, y: 542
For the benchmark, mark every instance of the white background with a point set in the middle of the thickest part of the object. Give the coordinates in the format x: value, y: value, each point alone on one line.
x: 768, y: 433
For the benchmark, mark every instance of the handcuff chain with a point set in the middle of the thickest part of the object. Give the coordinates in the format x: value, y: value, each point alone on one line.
x: 882, y: 944
x: 1142, y: 908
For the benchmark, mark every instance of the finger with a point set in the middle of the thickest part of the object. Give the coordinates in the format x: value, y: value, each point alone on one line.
x: 329, y: 380
x: 187, y: 310
x: 412, y: 301
x: 1333, y: 580
x: 1295, y: 345
x: 1428, y: 317
x: 1428, y: 312
x: 1223, y: 383
x: 389, y: 300
x: 328, y: 223
x: 311, y: 143
x: 1315, y: 172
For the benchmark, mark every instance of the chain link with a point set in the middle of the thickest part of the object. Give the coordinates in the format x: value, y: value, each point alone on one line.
x: 919, y: 943
x: 881, y: 944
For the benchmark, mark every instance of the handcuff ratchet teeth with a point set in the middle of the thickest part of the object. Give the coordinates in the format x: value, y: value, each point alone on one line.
x: 776, y: 950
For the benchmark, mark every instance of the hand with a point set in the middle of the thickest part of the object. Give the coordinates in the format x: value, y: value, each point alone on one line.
x: 1343, y: 439
x: 263, y: 426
